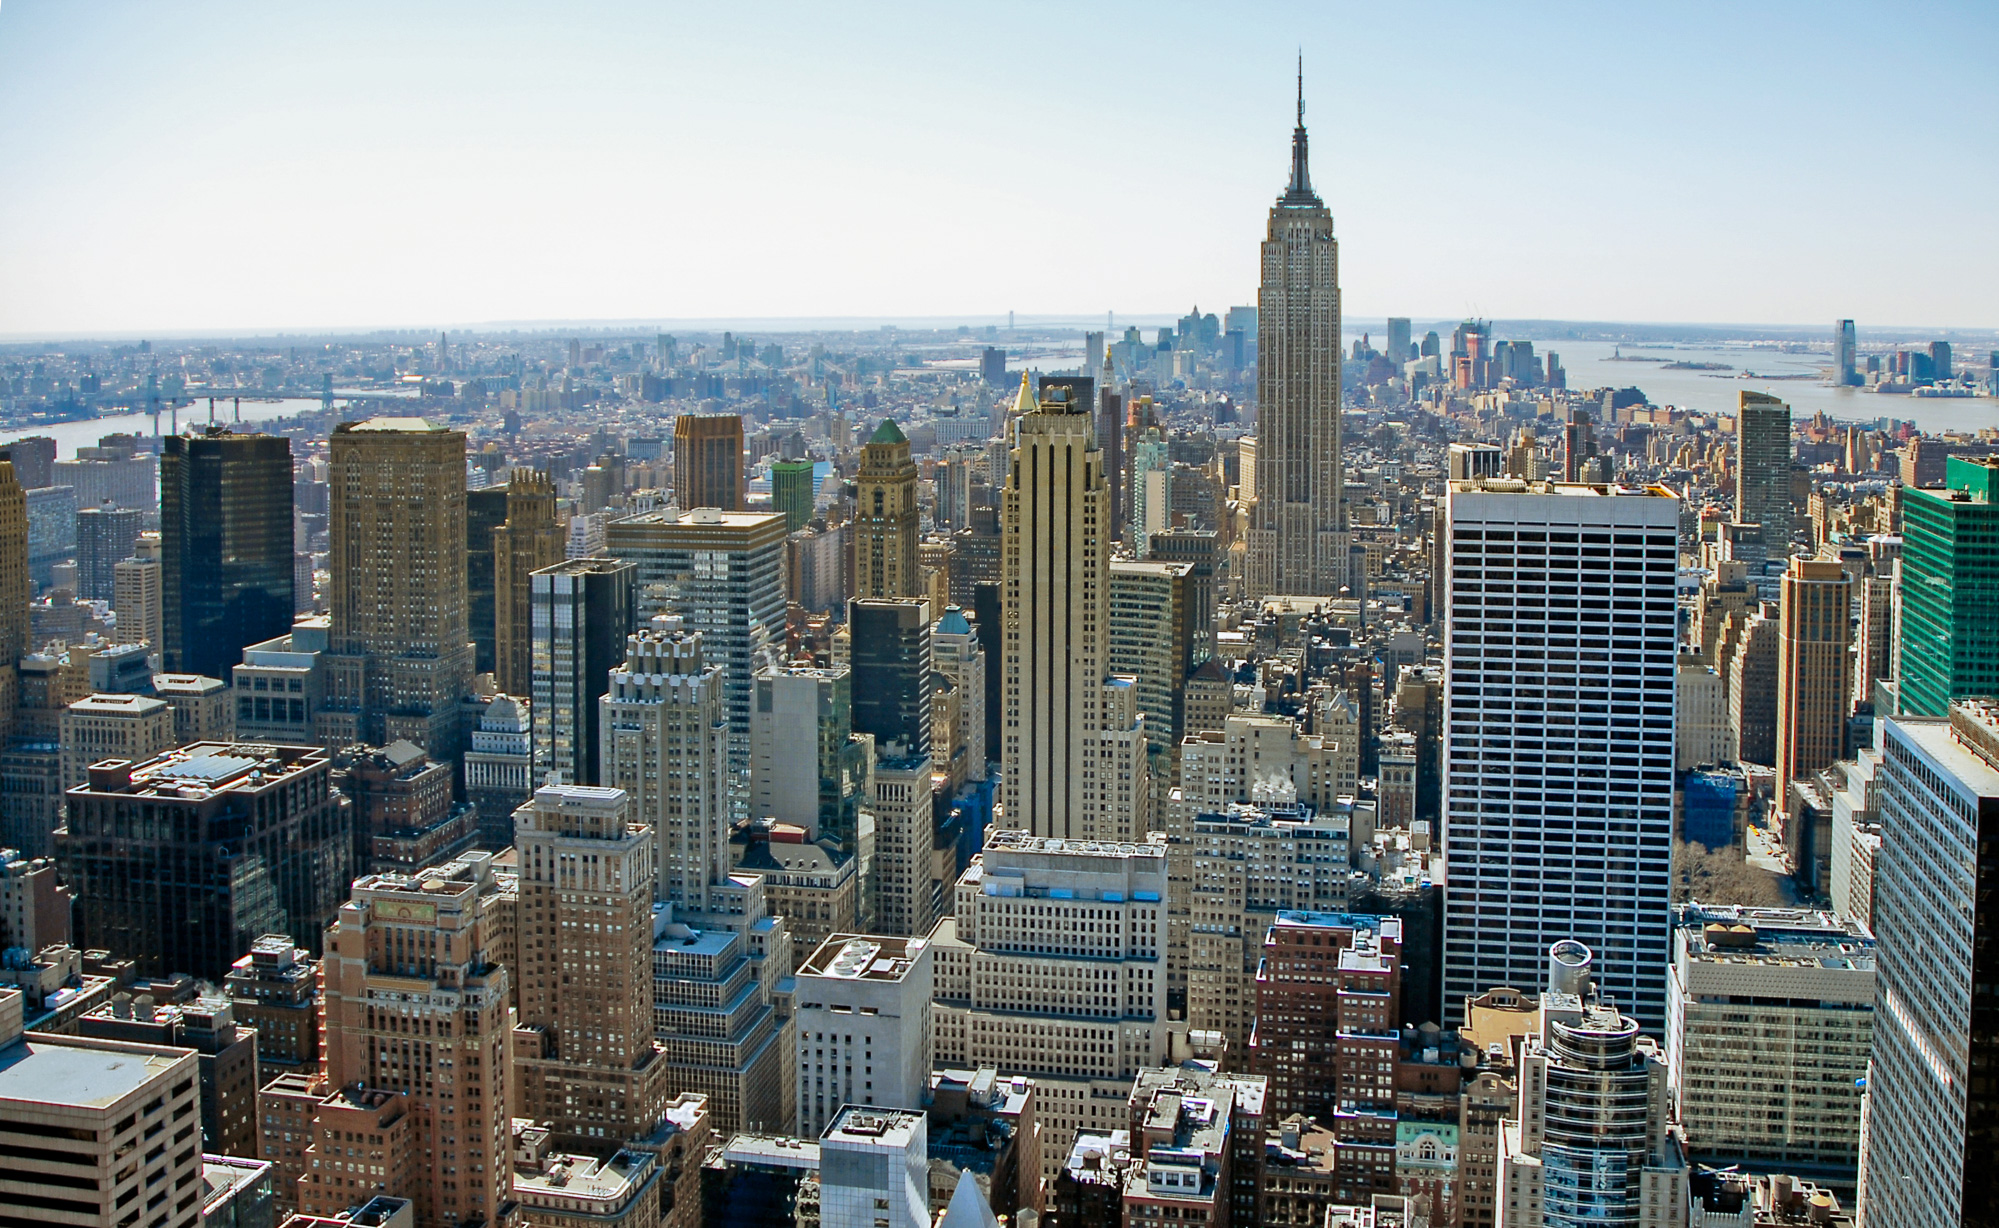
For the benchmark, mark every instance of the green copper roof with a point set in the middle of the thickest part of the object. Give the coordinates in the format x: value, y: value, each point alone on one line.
x: 888, y: 432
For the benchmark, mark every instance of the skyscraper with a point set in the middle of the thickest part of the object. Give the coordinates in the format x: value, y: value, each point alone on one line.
x: 885, y: 519
x: 1949, y: 642
x: 1397, y: 347
x: 417, y: 983
x: 791, y: 492
x: 1297, y: 540
x: 1590, y: 1141
x: 1763, y: 471
x: 891, y: 664
x: 664, y: 742
x: 14, y: 587
x: 1065, y: 746
x: 136, y: 596
x: 245, y: 841
x: 1932, y: 1124
x: 226, y: 547
x: 1814, y: 669
x: 1558, y: 734
x: 582, y: 614
x: 105, y: 537
x: 708, y: 461
x: 723, y: 574
x: 586, y: 996
x: 1845, y: 353
x: 485, y: 511
x: 530, y: 539
x: 821, y: 793
x: 1152, y: 639
x: 399, y: 654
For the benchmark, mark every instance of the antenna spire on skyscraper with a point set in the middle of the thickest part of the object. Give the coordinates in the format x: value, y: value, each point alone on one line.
x: 1300, y: 190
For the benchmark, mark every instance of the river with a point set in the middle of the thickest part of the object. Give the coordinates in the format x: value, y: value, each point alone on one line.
x: 84, y: 433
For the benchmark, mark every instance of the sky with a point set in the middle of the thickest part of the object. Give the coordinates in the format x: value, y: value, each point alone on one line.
x: 254, y: 166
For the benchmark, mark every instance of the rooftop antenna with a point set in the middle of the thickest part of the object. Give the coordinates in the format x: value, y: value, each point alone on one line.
x: 1301, y: 87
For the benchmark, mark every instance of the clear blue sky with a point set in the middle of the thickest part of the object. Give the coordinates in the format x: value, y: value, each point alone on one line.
x: 254, y: 165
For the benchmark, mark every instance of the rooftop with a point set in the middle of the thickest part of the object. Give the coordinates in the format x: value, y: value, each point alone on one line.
x: 864, y: 957
x: 867, y: 1126
x: 200, y: 769
x: 81, y: 1074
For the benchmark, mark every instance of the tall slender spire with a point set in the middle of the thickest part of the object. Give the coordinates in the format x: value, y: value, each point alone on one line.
x: 1300, y: 190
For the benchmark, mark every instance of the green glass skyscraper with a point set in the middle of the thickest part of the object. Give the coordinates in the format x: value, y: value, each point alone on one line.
x: 791, y: 492
x: 1950, y: 588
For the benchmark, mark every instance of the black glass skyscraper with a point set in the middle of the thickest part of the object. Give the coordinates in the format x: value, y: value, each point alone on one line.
x: 226, y: 547
x: 485, y: 510
x: 890, y: 660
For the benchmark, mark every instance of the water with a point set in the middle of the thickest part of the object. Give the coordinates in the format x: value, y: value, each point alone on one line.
x: 1590, y: 365
x: 70, y: 436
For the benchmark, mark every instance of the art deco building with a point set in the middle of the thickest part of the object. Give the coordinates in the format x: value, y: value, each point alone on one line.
x: 417, y: 1005
x: 529, y: 540
x: 1558, y: 733
x: 1054, y: 967
x: 708, y: 461
x: 243, y: 840
x: 584, y: 1056
x: 723, y: 574
x: 499, y: 769
x: 226, y: 547
x: 1814, y: 669
x: 664, y: 742
x: 582, y: 614
x: 1073, y: 767
x: 885, y: 519
x: 1297, y: 541
x: 400, y: 651
x: 955, y: 652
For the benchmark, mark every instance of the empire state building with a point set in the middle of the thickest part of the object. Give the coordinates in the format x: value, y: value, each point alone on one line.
x: 1297, y: 538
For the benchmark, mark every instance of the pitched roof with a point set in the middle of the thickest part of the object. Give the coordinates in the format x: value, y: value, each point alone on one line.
x: 888, y: 432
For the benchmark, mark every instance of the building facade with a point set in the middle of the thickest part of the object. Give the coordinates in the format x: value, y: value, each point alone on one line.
x: 225, y: 547
x: 1558, y: 734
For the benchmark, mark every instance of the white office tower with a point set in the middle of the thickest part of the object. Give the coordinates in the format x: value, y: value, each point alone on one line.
x: 862, y: 1014
x: 874, y: 1169
x: 1072, y: 768
x: 1558, y: 734
x: 1932, y: 1118
x: 665, y: 742
x: 1591, y: 1140
x: 1054, y: 966
x: 955, y: 652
